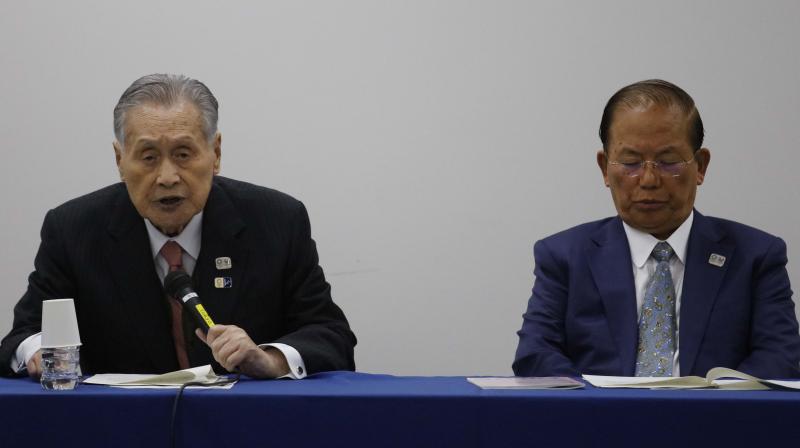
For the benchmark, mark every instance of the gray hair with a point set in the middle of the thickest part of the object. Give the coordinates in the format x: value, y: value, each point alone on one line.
x: 167, y: 90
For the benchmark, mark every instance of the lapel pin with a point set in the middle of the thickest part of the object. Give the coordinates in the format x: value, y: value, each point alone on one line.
x: 223, y: 282
x: 717, y: 260
x: 223, y: 263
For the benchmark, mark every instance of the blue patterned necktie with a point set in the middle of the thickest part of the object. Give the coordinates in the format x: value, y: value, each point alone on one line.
x: 657, y: 321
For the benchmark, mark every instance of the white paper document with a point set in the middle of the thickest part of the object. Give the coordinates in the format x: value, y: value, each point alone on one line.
x: 203, y: 374
x: 717, y: 378
x: 544, y: 382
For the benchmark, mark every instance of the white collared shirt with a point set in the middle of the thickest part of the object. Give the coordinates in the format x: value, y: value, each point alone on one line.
x: 190, y: 240
x: 642, y: 245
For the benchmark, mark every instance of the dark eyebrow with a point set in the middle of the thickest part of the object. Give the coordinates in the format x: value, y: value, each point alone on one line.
x: 669, y: 148
x: 144, y: 142
x: 185, y: 141
x: 629, y: 150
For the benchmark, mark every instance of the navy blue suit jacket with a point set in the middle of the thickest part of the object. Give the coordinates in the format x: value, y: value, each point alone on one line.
x: 582, y: 316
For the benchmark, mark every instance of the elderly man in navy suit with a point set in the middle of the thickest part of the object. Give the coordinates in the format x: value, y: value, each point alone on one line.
x: 247, y: 248
x: 659, y: 289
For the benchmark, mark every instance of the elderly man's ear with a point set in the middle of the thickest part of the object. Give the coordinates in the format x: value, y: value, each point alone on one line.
x: 118, y: 156
x: 703, y: 158
x: 602, y: 162
x: 217, y: 151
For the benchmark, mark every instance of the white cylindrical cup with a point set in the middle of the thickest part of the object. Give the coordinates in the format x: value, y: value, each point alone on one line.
x: 59, y: 324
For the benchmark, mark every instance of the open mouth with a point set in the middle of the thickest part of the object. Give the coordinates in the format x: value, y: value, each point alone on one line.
x: 170, y: 201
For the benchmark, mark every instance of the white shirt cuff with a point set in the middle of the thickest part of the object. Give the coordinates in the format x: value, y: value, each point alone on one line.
x: 25, y: 351
x: 297, y: 368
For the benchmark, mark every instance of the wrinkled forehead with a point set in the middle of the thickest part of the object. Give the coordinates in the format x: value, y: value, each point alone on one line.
x: 649, y: 126
x: 646, y: 107
x: 156, y: 122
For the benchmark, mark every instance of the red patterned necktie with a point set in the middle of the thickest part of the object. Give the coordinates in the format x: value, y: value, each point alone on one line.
x: 173, y: 253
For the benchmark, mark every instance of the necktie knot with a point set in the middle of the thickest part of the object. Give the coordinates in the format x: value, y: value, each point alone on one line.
x: 173, y: 253
x: 662, y: 252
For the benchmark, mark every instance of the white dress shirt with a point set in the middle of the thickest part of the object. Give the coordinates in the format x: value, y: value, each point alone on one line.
x: 189, y: 240
x: 642, y: 245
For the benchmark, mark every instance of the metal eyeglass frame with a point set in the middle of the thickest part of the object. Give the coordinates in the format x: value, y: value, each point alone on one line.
x: 639, y: 170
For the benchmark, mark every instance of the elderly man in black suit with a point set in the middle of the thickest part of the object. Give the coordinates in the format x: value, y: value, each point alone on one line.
x: 248, y: 249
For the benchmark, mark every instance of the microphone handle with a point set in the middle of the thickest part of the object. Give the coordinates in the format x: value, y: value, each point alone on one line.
x: 190, y: 300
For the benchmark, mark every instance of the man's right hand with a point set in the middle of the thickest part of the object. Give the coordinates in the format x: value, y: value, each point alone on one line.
x: 34, y: 365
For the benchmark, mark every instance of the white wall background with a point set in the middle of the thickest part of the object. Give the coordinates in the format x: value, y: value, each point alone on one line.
x: 432, y: 141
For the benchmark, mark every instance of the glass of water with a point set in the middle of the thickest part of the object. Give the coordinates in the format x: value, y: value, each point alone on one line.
x: 60, y: 368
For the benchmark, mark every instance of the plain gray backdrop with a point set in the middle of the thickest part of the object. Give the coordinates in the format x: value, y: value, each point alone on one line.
x: 433, y: 142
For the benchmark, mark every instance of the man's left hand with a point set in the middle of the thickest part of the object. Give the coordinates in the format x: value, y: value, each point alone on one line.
x: 235, y: 351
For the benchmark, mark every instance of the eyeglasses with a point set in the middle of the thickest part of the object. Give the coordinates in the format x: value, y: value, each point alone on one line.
x: 664, y: 167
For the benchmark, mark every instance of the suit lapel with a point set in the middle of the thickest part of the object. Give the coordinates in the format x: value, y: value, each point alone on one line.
x: 701, y: 282
x: 610, y: 263
x: 139, y: 291
x: 222, y: 231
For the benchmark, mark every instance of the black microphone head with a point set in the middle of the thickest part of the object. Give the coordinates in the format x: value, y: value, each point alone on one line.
x: 176, y: 281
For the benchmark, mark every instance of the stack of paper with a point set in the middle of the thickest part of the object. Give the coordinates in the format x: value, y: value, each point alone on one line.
x: 174, y: 380
x: 715, y: 379
x: 545, y: 382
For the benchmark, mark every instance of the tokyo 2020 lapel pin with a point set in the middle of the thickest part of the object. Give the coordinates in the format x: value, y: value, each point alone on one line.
x: 717, y: 260
x: 223, y: 282
x: 223, y: 263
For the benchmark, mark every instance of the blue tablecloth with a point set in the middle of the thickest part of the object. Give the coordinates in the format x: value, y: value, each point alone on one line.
x: 355, y: 409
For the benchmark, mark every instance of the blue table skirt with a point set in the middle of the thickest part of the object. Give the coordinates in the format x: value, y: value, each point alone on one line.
x: 356, y: 409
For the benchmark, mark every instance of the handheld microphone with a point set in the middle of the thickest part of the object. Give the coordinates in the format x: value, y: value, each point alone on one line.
x: 178, y: 285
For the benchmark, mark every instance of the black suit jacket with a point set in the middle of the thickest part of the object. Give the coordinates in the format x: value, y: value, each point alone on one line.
x: 95, y: 249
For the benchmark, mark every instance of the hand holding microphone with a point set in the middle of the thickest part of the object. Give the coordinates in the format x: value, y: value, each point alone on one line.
x: 230, y: 345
